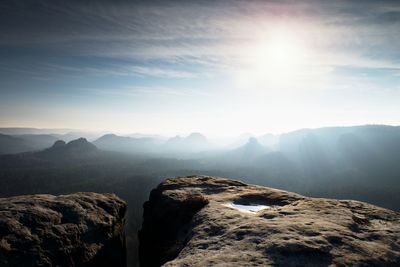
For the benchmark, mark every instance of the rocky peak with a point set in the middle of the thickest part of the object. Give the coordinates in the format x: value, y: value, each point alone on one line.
x: 82, y: 229
x: 208, y: 221
x: 59, y: 143
x: 197, y: 137
x: 81, y: 143
x: 77, y: 144
x: 108, y: 137
x: 75, y: 149
x: 252, y: 142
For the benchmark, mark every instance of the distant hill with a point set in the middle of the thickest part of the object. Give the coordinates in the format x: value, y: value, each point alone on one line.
x: 10, y: 145
x: 246, y: 153
x: 240, y: 140
x: 252, y: 148
x: 372, y: 149
x: 126, y: 144
x: 24, y: 143
x: 57, y: 134
x: 38, y: 141
x: 241, y: 157
x: 269, y: 140
x: 69, y: 136
x: 76, y: 149
x: 139, y: 135
x: 195, y: 142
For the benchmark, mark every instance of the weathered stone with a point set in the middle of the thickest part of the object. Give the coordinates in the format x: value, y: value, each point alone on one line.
x: 292, y: 230
x: 82, y: 229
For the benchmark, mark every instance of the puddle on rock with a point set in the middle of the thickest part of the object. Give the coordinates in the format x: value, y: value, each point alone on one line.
x: 246, y: 208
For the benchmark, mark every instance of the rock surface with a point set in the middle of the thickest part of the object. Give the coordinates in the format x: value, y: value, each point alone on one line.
x: 193, y: 221
x: 82, y: 229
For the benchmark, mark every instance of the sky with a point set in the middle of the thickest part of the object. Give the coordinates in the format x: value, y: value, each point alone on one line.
x: 216, y: 67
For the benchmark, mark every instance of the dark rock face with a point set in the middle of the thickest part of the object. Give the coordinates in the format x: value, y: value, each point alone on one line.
x: 82, y: 229
x: 208, y: 221
x: 166, y: 224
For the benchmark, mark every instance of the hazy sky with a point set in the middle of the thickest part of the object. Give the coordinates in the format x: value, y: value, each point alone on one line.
x: 217, y: 67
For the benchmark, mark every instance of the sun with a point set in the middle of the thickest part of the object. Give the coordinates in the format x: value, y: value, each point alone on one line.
x: 275, y: 59
x: 278, y: 57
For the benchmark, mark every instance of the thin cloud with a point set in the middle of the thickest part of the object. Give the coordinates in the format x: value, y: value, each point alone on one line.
x: 135, y: 91
x: 118, y: 70
x: 211, y: 35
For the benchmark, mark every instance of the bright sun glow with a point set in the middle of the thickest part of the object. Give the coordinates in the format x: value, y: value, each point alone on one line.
x: 276, y: 59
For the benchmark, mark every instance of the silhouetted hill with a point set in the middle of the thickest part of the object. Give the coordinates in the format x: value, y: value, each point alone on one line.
x: 269, y: 140
x: 371, y: 150
x: 243, y: 155
x: 10, y: 144
x: 76, y: 149
x: 24, y: 143
x: 125, y: 144
x: 251, y: 149
x: 38, y: 141
x: 195, y: 142
x: 69, y: 136
x: 74, y: 152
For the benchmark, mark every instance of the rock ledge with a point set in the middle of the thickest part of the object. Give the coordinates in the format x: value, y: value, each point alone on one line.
x: 187, y: 222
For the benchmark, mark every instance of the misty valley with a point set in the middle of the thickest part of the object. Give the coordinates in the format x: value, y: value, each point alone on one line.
x: 359, y: 163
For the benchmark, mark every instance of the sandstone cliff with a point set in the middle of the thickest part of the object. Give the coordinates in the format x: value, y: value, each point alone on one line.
x: 208, y: 221
x: 82, y: 229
